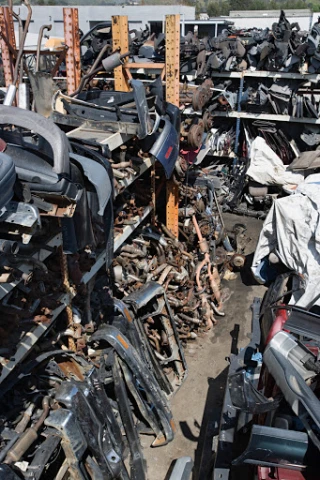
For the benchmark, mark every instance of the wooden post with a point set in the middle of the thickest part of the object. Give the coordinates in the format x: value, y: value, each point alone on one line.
x: 120, y: 39
x: 72, y: 40
x: 172, y: 96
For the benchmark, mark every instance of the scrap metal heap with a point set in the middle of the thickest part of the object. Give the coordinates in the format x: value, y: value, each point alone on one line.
x: 270, y: 416
x: 72, y: 382
x: 91, y: 357
x: 284, y: 47
x: 98, y: 302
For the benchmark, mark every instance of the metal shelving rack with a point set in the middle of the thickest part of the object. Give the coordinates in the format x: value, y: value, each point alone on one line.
x: 42, y: 254
x: 315, y: 77
x: 259, y: 74
x: 273, y: 117
x: 32, y: 337
x: 113, y: 140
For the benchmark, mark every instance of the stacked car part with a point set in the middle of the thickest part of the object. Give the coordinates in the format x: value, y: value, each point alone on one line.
x: 272, y: 393
x: 270, y: 424
x: 98, y: 317
x: 69, y: 202
x: 284, y: 47
x: 57, y: 202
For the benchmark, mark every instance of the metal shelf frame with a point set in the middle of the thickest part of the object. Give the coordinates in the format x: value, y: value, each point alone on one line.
x: 273, y: 117
x: 266, y: 116
x: 114, y: 139
x: 32, y: 337
x: 313, y: 77
x: 41, y: 255
x: 118, y: 241
x: 126, y: 182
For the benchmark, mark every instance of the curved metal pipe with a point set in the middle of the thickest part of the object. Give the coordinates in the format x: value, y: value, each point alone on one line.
x: 164, y: 274
x: 46, y: 407
x: 189, y: 319
x: 135, y: 250
x: 22, y: 42
x: 22, y: 425
x: 94, y: 69
x: 42, y: 28
x: 214, y: 286
x: 198, y: 273
x: 29, y: 261
x: 156, y: 272
x: 129, y: 255
x: 29, y: 436
x: 9, y: 246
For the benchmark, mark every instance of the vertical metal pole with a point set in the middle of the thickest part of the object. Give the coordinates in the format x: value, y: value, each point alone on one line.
x: 153, y: 193
x: 172, y: 96
x: 238, y: 122
x: 120, y: 39
x: 172, y: 58
x: 7, y: 43
x: 72, y: 41
x: 66, y: 284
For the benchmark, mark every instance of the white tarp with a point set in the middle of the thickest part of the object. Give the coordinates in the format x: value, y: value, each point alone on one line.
x: 292, y: 231
x: 267, y: 168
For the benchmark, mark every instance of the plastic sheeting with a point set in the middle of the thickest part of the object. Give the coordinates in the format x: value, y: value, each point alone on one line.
x: 292, y: 231
x: 267, y: 168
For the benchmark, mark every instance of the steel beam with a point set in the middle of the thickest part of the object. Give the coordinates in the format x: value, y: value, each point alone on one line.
x: 172, y: 58
x: 72, y: 41
x: 120, y: 39
x: 172, y: 96
x: 7, y: 43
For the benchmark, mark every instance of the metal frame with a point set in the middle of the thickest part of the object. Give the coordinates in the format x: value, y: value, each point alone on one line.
x: 30, y: 339
x: 72, y: 41
x: 172, y: 96
x: 7, y: 43
x: 113, y: 140
x: 172, y: 58
x: 120, y: 39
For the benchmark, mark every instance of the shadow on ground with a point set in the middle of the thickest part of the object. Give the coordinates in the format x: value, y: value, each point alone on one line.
x: 204, y: 455
x: 203, y: 461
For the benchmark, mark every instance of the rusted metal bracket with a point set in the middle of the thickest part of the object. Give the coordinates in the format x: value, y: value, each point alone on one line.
x: 172, y: 96
x: 72, y: 41
x: 7, y: 43
x: 154, y: 67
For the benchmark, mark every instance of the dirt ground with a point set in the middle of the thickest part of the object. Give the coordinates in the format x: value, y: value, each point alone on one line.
x: 197, y: 405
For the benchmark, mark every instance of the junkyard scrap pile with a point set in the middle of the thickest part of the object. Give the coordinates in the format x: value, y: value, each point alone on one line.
x: 115, y: 256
